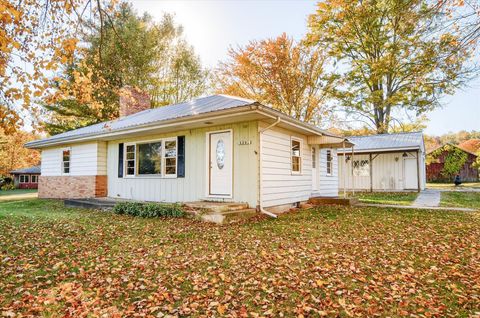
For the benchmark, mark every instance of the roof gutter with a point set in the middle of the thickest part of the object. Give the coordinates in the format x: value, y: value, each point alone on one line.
x: 347, y: 151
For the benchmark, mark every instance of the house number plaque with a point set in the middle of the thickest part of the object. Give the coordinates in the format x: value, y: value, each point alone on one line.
x: 244, y: 142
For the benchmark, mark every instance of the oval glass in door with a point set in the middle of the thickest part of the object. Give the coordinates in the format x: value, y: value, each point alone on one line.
x: 220, y: 151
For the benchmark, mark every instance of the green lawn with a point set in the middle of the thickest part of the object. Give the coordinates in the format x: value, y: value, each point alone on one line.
x: 16, y: 192
x: 460, y: 199
x: 450, y: 186
x: 396, y: 198
x: 331, y: 261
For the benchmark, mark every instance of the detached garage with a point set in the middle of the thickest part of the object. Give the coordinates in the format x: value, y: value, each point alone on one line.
x: 386, y: 162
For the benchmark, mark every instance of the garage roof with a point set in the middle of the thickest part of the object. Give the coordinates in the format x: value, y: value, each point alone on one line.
x: 387, y: 142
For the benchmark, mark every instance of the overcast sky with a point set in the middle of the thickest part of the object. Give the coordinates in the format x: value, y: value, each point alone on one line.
x: 213, y: 26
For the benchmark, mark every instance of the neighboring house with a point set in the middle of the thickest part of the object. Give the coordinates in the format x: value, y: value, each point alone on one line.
x: 26, y: 178
x: 219, y: 148
x: 446, y: 161
x: 384, y: 162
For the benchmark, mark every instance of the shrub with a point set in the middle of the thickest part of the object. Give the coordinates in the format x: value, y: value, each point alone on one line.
x: 8, y: 186
x: 148, y: 210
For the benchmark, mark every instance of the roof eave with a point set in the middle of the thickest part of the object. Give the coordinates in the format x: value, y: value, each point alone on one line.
x: 43, y: 143
x: 376, y: 150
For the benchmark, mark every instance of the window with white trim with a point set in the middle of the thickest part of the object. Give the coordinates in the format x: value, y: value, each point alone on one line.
x: 34, y: 179
x: 296, y: 156
x: 361, y: 168
x: 329, y: 163
x: 66, y: 161
x: 153, y: 158
x: 130, y: 154
x: 170, y: 157
x: 24, y: 178
x: 149, y: 158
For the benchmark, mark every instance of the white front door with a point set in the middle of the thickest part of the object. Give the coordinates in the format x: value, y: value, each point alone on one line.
x: 410, y: 173
x: 314, y: 169
x: 220, y: 163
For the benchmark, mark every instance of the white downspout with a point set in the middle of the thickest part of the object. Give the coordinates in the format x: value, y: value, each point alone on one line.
x: 260, y: 159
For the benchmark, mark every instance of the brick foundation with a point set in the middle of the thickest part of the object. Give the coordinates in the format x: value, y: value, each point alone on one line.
x: 72, y: 187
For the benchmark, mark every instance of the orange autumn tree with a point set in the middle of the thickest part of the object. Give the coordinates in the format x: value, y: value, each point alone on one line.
x: 12, y: 153
x: 281, y: 73
x: 35, y: 37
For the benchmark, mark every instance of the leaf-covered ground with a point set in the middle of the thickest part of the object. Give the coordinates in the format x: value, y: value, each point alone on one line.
x: 58, y: 262
x: 460, y: 199
x: 396, y: 198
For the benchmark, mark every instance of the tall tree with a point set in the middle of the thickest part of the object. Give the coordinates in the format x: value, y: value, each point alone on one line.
x: 281, y: 73
x: 125, y: 50
x: 35, y: 37
x: 392, y: 56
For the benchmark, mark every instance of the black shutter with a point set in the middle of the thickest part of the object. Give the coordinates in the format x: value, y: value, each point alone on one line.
x: 120, y: 160
x: 181, y: 156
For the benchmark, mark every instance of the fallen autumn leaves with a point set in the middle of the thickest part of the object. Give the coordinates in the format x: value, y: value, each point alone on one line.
x: 325, y: 262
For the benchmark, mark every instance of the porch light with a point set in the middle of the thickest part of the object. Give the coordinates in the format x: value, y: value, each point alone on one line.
x: 347, y: 159
x: 405, y: 155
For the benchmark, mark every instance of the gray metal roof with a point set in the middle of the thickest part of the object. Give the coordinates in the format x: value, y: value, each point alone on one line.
x: 193, y: 107
x: 384, y: 142
x: 209, y: 104
x: 29, y: 170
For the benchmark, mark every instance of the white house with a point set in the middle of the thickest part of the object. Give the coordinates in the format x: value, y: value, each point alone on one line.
x: 385, y: 162
x: 218, y: 148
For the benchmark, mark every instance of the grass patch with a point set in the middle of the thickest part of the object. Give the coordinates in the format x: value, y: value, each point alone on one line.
x: 335, y: 261
x: 395, y: 198
x: 17, y: 192
x: 460, y: 199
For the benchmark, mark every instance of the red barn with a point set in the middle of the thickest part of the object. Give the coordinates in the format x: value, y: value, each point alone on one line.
x: 26, y: 178
x: 437, y: 158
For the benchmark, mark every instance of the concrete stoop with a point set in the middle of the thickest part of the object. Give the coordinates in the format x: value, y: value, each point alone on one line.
x: 219, y: 212
x: 98, y: 204
x: 333, y: 201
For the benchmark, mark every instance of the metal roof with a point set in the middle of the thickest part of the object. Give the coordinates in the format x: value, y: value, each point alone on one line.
x: 29, y: 170
x: 383, y: 142
x: 193, y: 107
x: 204, y: 105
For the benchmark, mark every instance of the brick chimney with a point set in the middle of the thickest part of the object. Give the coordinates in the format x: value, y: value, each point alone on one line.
x: 133, y: 100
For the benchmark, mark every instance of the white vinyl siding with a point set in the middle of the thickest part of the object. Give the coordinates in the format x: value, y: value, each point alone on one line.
x: 387, y: 172
x: 85, y: 160
x: 279, y: 185
x: 328, y: 183
x: 192, y: 187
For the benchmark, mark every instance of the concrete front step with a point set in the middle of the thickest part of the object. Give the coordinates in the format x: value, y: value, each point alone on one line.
x: 228, y: 216
x: 216, y: 207
x: 333, y: 201
x: 90, y: 203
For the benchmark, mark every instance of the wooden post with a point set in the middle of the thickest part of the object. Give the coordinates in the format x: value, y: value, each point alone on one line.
x: 353, y: 176
x: 418, y: 171
x: 371, y: 172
